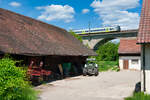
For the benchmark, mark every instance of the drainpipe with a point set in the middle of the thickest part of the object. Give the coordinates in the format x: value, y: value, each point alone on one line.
x: 144, y: 76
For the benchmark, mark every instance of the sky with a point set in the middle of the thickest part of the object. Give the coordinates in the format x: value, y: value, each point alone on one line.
x: 77, y: 14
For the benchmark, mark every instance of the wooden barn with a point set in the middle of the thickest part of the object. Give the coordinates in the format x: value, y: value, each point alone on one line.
x: 40, y: 44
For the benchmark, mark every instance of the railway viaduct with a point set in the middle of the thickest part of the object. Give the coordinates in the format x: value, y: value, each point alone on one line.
x: 94, y: 40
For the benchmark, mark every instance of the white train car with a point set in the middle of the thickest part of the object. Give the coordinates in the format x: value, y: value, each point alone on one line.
x: 97, y: 30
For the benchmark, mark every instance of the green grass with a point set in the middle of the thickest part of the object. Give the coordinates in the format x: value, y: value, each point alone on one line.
x: 108, y: 65
x: 28, y: 94
x: 139, y: 96
x: 25, y: 94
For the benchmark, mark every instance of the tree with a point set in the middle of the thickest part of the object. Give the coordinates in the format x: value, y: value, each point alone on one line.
x: 76, y: 35
x: 108, y: 52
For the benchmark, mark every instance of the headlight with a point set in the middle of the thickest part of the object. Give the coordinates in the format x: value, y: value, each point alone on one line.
x: 96, y: 65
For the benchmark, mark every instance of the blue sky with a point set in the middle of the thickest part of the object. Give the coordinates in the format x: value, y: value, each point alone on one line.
x: 76, y: 14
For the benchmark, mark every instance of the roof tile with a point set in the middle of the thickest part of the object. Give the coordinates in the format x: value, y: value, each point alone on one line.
x: 26, y: 36
x: 144, y: 27
x: 129, y: 46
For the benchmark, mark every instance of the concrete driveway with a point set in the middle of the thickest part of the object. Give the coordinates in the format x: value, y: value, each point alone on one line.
x: 107, y: 86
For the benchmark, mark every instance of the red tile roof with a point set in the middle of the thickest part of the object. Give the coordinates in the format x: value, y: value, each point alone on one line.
x: 129, y: 46
x: 26, y: 36
x: 144, y: 27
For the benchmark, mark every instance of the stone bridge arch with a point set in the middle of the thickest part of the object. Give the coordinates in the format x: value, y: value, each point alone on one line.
x: 95, y: 43
x: 103, y: 41
x: 97, y: 39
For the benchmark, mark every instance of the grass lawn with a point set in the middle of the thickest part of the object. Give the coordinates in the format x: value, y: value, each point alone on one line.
x: 108, y: 65
x: 139, y: 96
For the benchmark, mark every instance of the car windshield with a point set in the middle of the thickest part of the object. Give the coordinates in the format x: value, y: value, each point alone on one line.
x: 90, y: 64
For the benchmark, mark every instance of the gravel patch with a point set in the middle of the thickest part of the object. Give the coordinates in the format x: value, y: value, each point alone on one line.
x: 106, y: 86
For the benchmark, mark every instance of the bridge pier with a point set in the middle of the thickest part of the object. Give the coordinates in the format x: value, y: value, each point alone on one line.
x: 91, y: 43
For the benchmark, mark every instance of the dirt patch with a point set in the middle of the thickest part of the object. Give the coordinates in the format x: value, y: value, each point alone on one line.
x: 69, y: 79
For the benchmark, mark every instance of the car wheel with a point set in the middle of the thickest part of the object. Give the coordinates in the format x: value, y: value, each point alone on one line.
x: 84, y: 72
x: 96, y: 72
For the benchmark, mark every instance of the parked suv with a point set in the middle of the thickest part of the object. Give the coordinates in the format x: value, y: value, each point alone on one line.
x: 90, y: 68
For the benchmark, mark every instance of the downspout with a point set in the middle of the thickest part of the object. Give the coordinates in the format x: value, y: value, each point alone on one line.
x: 144, y: 76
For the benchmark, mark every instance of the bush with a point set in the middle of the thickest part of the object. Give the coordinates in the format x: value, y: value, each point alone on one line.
x: 13, y: 83
x: 108, y: 58
x: 108, y: 52
x: 139, y: 96
x: 116, y: 68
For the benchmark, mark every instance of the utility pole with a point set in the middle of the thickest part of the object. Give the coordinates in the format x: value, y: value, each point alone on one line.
x: 89, y: 26
x: 89, y: 30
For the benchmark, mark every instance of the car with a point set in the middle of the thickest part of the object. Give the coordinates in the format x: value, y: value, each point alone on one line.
x: 90, y: 68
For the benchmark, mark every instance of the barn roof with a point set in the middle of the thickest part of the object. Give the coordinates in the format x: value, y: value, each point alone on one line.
x: 129, y: 46
x: 144, y: 28
x: 26, y: 36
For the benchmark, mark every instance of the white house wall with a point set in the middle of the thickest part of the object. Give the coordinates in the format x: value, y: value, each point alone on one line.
x: 121, y: 62
x: 129, y: 58
x: 147, y: 57
x: 147, y: 70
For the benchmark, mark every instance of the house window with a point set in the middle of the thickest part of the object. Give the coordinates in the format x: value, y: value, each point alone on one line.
x: 135, y: 61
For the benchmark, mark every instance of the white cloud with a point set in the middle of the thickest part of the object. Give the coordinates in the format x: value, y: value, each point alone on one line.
x: 84, y: 11
x: 15, y: 4
x: 116, y: 12
x: 57, y: 12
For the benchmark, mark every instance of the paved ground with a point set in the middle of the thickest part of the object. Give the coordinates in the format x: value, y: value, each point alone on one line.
x: 107, y: 86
